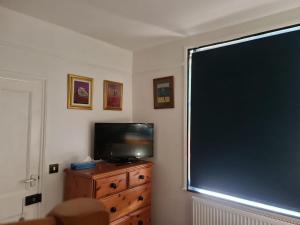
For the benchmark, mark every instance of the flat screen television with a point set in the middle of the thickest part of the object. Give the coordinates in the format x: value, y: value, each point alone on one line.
x: 123, y: 142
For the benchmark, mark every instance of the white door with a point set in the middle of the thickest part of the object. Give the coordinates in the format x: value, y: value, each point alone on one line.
x: 21, y: 116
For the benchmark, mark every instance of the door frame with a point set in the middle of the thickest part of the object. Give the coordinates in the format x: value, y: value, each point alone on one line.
x: 21, y: 76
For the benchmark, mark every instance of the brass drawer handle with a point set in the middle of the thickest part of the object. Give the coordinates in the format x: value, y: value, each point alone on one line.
x: 140, y: 198
x: 141, y: 177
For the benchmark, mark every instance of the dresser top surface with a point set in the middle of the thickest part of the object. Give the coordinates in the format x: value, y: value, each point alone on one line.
x: 105, y: 168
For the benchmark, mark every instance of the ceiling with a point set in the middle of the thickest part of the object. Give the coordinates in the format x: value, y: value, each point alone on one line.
x: 137, y: 24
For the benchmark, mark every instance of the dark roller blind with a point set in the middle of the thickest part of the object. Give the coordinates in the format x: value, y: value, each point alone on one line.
x: 245, y: 120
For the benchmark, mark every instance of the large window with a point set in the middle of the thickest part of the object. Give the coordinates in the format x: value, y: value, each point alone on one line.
x: 244, y: 120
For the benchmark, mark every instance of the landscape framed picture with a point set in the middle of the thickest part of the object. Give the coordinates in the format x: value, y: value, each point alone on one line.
x: 80, y: 92
x: 112, y: 95
x: 163, y: 92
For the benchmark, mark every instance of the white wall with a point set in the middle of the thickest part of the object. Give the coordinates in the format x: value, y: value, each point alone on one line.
x: 172, y: 205
x: 35, y: 49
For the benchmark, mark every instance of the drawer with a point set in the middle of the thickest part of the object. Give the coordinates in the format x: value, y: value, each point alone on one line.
x: 128, y: 201
x: 126, y: 220
x: 139, y: 177
x: 141, y: 217
x: 110, y: 185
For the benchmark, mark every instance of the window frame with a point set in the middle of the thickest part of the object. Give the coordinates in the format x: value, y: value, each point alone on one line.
x: 188, y: 52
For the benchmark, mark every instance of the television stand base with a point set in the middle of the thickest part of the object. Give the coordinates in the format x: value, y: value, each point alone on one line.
x: 123, y: 161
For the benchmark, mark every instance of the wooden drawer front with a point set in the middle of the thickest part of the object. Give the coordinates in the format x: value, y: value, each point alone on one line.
x: 126, y: 220
x: 110, y: 185
x: 139, y: 177
x: 77, y: 187
x: 141, y: 217
x: 128, y: 201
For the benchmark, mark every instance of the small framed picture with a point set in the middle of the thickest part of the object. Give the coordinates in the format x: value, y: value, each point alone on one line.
x: 163, y: 92
x: 80, y: 92
x: 112, y: 95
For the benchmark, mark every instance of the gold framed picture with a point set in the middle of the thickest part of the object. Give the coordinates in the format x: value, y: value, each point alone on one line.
x: 112, y: 95
x: 163, y: 92
x: 80, y: 92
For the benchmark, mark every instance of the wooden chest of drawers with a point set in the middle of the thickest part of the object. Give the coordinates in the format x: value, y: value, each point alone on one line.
x: 125, y: 190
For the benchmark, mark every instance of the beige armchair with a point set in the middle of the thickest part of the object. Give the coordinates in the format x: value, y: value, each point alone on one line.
x: 73, y: 212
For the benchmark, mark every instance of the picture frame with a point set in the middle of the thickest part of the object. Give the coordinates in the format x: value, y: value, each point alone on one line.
x: 80, y: 92
x: 163, y: 92
x: 112, y: 95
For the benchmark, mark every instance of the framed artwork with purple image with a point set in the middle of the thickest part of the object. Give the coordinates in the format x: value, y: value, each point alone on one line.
x: 80, y: 92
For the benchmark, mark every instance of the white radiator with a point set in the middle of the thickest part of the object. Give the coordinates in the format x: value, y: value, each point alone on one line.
x: 206, y: 212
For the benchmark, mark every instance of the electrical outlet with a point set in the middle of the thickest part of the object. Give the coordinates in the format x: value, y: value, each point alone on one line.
x: 53, y: 168
x: 33, y: 199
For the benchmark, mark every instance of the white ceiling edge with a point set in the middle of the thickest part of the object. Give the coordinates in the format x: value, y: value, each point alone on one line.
x: 129, y: 34
x: 135, y: 35
x: 230, y: 31
x: 240, y: 18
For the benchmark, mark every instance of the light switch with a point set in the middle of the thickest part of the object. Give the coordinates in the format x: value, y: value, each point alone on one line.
x: 53, y: 168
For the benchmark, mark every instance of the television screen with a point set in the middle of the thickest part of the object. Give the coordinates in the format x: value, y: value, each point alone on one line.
x: 123, y: 141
